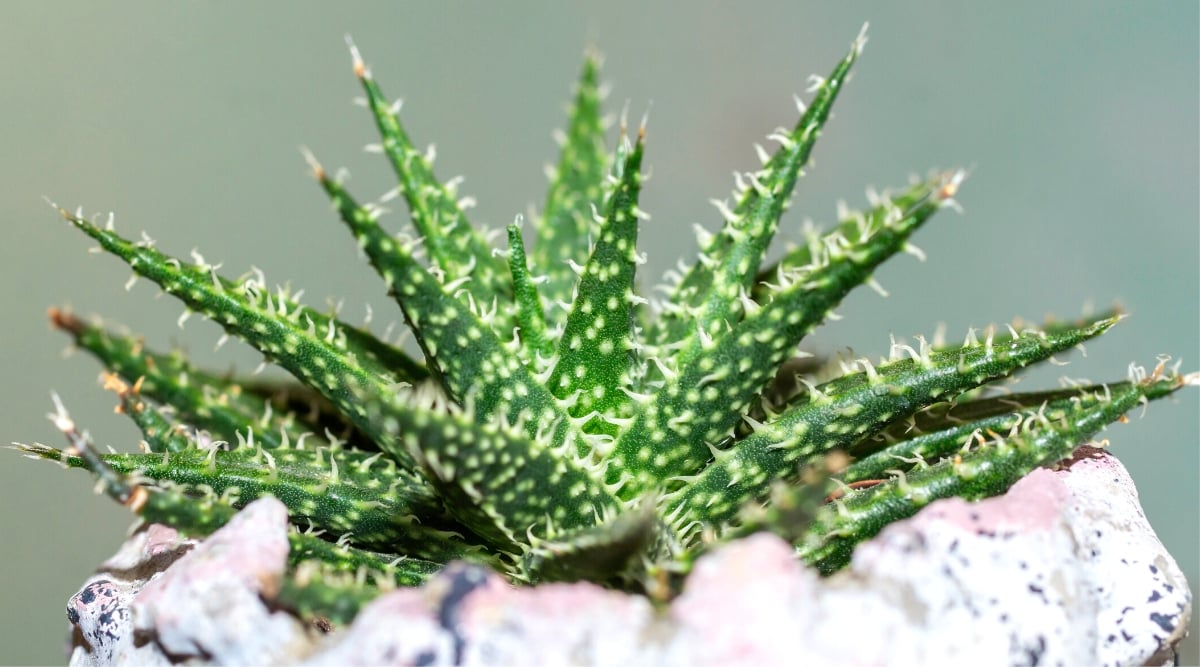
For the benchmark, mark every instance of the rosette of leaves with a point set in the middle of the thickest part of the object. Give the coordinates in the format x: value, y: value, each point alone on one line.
x: 558, y: 424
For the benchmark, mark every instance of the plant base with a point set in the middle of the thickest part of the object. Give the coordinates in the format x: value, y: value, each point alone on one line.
x: 1064, y: 569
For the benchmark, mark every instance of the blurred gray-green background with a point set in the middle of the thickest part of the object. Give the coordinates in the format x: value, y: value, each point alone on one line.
x: 1078, y: 120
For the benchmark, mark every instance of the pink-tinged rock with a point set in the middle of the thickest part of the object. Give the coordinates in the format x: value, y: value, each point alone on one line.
x: 397, y: 628
x: 744, y: 604
x: 209, y: 603
x: 1064, y: 569
x: 553, y: 624
x: 1145, y: 608
x: 102, y: 630
x: 470, y: 616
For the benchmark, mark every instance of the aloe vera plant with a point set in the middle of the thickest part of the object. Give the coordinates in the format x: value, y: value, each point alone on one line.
x: 559, y: 423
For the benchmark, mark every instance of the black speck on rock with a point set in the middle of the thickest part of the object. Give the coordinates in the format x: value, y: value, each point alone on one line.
x: 1034, y: 653
x: 1167, y: 623
x: 1039, y: 591
x: 461, y: 581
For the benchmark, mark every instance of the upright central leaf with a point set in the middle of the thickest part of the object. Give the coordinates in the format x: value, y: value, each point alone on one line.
x: 470, y: 360
x: 576, y: 186
x: 594, y: 352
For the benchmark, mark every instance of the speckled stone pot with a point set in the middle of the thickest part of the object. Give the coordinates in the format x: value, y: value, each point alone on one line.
x: 1064, y: 569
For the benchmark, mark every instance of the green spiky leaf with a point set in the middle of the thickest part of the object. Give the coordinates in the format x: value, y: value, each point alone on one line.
x: 311, y: 346
x: 713, y: 378
x: 562, y: 425
x: 988, y: 469
x: 707, y: 295
x: 840, y: 412
x: 594, y: 353
x: 455, y: 247
x: 576, y: 188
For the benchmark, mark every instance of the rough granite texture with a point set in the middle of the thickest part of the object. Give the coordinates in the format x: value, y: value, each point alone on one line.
x: 1063, y: 570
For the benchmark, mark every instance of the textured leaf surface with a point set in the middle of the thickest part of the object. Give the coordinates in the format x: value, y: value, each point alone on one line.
x: 951, y: 430
x: 201, y: 399
x: 455, y: 247
x: 334, y: 582
x: 714, y: 378
x: 594, y: 353
x: 338, y: 492
x: 471, y: 361
x: 576, y: 186
x: 707, y: 295
x: 986, y: 470
x: 527, y: 304
x: 308, y: 344
x: 496, y: 480
x: 843, y: 411
x: 602, y: 553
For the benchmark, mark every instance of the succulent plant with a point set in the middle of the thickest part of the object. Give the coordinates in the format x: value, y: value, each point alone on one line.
x: 563, y: 424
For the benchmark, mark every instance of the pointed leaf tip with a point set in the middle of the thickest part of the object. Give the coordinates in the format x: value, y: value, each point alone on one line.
x: 360, y: 68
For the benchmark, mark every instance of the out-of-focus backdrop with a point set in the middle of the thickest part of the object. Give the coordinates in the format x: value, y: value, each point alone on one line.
x: 1078, y: 122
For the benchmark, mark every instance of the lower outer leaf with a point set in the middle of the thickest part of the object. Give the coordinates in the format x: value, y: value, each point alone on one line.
x: 986, y: 471
x: 398, y: 570
x: 375, y: 508
x: 315, y: 594
x: 978, y: 420
x: 847, y: 410
x: 309, y: 345
x: 203, y: 399
x: 789, y: 390
x: 333, y: 583
x: 160, y: 433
